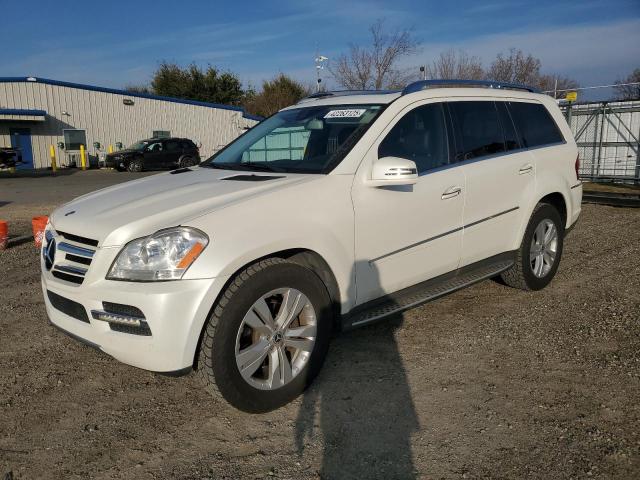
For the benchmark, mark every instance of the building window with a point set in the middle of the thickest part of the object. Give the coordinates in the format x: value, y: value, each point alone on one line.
x: 161, y: 134
x: 74, y: 138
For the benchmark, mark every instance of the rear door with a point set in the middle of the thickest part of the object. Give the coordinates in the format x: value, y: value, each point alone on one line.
x: 172, y: 152
x: 500, y: 177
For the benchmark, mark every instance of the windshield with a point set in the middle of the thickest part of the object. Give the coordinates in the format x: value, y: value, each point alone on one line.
x: 303, y: 140
x: 138, y: 145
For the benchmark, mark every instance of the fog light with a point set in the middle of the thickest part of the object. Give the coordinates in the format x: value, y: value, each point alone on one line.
x: 117, y: 318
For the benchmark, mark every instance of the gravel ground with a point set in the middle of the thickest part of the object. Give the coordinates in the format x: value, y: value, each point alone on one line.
x: 488, y: 382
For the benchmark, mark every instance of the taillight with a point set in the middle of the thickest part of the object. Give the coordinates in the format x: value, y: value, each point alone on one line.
x: 577, y: 166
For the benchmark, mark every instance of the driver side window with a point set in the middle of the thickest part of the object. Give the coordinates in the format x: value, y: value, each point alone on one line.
x: 420, y: 136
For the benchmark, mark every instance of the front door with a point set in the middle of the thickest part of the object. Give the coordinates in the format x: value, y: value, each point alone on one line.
x: 405, y: 235
x: 154, y: 155
x: 21, y: 140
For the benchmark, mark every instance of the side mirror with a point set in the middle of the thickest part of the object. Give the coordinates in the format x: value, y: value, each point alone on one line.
x: 393, y: 171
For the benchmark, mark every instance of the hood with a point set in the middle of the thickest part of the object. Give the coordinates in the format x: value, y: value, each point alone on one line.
x: 126, y: 151
x: 118, y: 214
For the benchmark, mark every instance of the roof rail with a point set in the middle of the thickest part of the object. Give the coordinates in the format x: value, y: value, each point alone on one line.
x: 424, y: 84
x: 348, y: 92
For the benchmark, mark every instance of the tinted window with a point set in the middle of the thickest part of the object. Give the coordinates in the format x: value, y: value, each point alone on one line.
x: 420, y: 136
x: 74, y: 138
x: 478, y: 130
x: 161, y: 134
x: 511, y: 141
x: 154, y: 147
x: 172, y: 146
x: 534, y: 123
x: 188, y: 145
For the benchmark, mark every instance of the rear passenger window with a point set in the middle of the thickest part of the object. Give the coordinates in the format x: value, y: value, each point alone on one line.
x: 172, y: 146
x: 478, y: 130
x: 420, y: 136
x: 535, y: 125
x: 511, y: 141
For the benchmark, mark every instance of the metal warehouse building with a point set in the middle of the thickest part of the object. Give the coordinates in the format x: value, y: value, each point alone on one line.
x: 36, y: 113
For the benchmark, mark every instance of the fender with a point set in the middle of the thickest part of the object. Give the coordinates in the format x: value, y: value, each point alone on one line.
x: 553, y: 184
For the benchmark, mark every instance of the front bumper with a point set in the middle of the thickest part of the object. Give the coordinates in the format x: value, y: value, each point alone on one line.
x: 175, y: 311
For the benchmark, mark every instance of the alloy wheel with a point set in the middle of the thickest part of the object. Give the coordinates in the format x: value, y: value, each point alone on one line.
x: 276, y: 338
x: 544, y: 248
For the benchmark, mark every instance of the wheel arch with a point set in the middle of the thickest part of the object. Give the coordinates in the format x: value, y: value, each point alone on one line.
x: 553, y: 197
x: 301, y: 256
x: 557, y: 200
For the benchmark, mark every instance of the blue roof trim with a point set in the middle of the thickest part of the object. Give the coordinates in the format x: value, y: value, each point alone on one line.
x: 22, y: 111
x: 127, y: 94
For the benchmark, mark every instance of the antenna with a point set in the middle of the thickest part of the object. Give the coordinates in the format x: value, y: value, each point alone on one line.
x: 320, y: 61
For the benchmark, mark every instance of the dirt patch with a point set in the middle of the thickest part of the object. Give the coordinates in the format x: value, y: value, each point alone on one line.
x: 489, y: 382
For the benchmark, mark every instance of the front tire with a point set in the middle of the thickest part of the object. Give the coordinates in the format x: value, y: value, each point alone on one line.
x: 267, y: 337
x: 538, y: 257
x: 135, y: 165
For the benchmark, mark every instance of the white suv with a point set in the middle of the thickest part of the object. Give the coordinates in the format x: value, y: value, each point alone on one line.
x: 336, y: 212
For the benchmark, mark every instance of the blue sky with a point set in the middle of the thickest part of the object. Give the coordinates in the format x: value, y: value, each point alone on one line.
x: 117, y: 43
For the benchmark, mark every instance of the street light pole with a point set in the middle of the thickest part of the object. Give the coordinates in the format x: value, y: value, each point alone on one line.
x: 320, y: 59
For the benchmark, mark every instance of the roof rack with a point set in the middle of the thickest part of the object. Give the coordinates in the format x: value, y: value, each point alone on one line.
x: 349, y: 92
x: 424, y: 84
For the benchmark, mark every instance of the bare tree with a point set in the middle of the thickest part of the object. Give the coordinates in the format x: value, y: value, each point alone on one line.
x: 375, y: 67
x: 547, y: 84
x: 629, y: 92
x: 525, y: 69
x: 515, y: 67
x: 459, y: 65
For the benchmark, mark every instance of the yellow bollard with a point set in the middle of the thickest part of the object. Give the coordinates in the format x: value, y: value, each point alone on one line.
x: 110, y: 149
x: 83, y: 157
x: 52, y: 154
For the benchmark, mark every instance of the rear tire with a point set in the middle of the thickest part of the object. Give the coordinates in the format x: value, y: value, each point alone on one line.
x: 135, y: 165
x: 539, y: 255
x: 223, y: 354
x: 187, y: 161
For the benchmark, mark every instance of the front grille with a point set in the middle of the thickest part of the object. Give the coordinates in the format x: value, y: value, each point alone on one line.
x: 79, y: 239
x: 68, y: 307
x: 78, y: 254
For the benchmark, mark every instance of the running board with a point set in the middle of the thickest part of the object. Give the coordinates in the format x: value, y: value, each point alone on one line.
x: 426, y: 291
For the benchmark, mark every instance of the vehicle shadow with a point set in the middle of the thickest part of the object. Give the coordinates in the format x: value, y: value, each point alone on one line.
x: 360, y: 408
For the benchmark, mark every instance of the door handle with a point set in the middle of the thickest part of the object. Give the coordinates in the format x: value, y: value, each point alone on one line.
x: 451, y: 192
x: 528, y: 168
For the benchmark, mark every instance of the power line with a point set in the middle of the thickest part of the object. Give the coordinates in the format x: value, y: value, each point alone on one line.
x: 589, y: 88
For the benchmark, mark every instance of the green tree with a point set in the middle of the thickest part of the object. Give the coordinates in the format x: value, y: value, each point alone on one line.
x: 278, y: 93
x: 194, y: 83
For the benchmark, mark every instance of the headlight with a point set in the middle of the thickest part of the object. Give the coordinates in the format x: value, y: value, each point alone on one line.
x: 165, y: 255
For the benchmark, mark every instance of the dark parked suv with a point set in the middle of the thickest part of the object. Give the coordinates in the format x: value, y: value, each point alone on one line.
x: 155, y: 153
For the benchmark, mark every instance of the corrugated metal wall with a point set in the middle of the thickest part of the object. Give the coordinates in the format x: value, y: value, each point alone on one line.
x: 107, y: 120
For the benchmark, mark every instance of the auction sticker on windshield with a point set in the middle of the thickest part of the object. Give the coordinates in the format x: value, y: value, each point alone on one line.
x: 347, y: 113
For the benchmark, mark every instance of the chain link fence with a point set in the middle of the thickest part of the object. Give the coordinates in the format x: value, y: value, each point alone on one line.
x: 608, y: 139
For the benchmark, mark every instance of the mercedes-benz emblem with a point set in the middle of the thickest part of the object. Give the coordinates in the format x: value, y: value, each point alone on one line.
x: 49, y: 253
